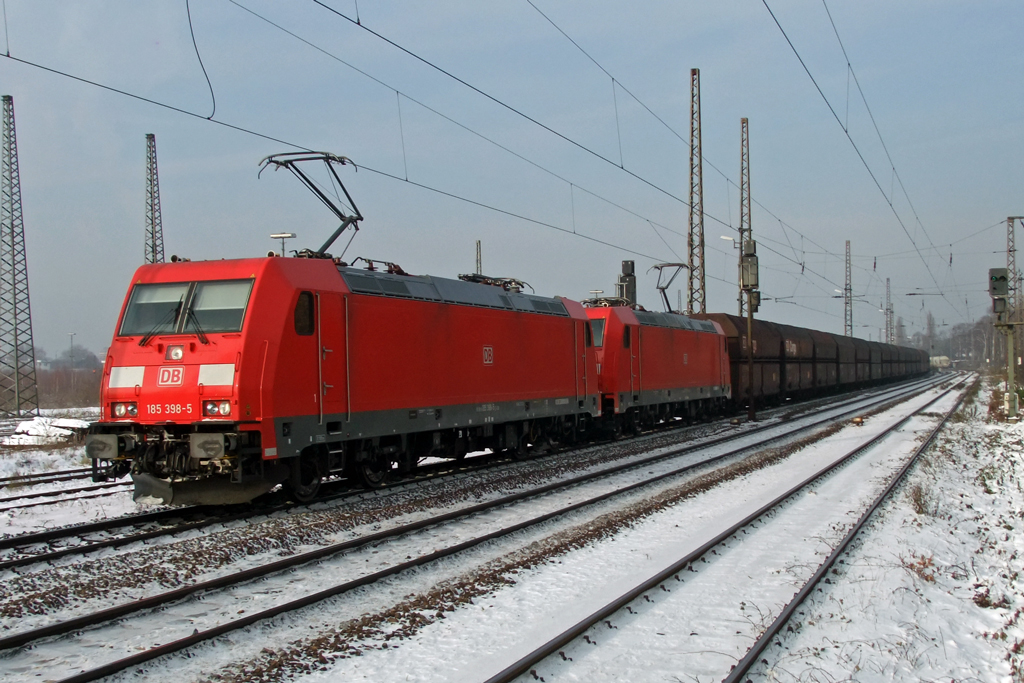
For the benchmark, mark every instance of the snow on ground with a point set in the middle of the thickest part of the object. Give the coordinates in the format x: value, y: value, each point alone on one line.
x: 45, y: 431
x: 179, y: 620
x: 933, y: 590
x: 22, y: 460
x: 473, y: 639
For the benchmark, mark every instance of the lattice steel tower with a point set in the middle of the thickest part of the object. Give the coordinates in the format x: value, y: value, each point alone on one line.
x: 848, y: 296
x: 154, y: 223
x: 1011, y: 270
x: 890, y: 322
x: 745, y: 228
x: 18, y: 392
x: 696, y: 297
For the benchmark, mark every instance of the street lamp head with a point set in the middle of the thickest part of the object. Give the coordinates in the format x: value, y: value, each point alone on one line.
x: 282, y: 236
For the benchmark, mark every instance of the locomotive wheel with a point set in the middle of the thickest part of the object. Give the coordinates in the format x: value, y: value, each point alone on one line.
x: 374, y: 471
x: 521, y: 451
x: 304, y: 479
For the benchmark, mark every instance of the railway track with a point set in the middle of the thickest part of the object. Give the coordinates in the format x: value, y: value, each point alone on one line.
x: 38, y: 547
x: 589, y: 628
x: 786, y: 432
x: 38, y: 478
x: 750, y: 660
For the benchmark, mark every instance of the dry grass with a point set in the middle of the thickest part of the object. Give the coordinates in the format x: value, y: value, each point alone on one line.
x: 921, y: 566
x: 922, y: 500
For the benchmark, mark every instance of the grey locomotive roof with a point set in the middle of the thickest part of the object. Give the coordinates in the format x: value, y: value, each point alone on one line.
x: 680, y: 322
x: 429, y: 288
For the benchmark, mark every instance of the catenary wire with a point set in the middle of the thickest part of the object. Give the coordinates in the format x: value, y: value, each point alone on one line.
x: 860, y: 155
x: 264, y: 136
x: 674, y: 132
x: 450, y: 119
x: 201, y: 65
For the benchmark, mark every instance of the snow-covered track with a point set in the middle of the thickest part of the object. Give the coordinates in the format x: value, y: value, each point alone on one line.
x: 750, y: 659
x: 786, y: 432
x: 38, y: 478
x: 178, y: 520
x: 525, y: 664
x: 57, y: 493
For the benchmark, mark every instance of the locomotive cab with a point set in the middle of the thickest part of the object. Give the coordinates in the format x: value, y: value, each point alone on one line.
x: 178, y: 412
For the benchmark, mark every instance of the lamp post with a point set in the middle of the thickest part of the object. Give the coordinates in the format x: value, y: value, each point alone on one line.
x: 283, y: 236
x: 71, y: 357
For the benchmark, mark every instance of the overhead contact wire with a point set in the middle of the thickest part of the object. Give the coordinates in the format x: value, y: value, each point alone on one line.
x: 303, y: 148
x: 860, y: 155
x: 199, y: 57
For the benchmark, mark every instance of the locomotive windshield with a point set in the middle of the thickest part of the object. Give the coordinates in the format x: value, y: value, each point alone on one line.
x: 218, y: 306
x: 186, y: 308
x: 597, y: 324
x: 154, y: 309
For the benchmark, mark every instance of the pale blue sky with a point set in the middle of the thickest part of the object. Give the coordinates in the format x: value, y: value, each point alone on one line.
x: 943, y: 80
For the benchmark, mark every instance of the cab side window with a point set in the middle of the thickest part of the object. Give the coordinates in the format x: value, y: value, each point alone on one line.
x: 625, y: 337
x: 304, y: 314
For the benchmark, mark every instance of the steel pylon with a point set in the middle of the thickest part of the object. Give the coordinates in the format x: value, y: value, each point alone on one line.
x: 19, y: 394
x: 890, y: 322
x: 848, y: 296
x: 745, y: 227
x: 154, y: 222
x: 695, y: 292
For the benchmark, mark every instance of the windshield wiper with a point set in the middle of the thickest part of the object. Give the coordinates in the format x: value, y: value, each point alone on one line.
x: 191, y: 315
x: 171, y: 317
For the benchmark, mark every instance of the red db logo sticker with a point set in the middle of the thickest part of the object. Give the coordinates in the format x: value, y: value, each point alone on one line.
x: 170, y: 377
x: 488, y: 355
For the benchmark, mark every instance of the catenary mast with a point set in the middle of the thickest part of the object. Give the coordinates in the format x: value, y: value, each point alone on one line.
x: 745, y: 228
x: 695, y: 292
x: 154, y: 221
x: 19, y: 394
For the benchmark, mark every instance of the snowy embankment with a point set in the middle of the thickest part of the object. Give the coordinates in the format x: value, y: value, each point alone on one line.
x: 933, y: 589
x: 48, y: 444
x: 50, y: 428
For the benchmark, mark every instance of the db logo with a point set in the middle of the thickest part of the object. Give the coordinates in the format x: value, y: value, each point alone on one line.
x: 170, y: 377
x: 488, y: 355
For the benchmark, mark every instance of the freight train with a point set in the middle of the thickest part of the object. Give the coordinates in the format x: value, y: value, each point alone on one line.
x: 225, y: 379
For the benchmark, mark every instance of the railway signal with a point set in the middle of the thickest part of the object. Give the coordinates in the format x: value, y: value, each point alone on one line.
x: 998, y: 283
x: 999, y: 289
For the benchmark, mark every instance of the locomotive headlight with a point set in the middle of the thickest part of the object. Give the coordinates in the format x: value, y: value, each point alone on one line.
x: 125, y: 409
x: 222, y: 408
x: 175, y: 353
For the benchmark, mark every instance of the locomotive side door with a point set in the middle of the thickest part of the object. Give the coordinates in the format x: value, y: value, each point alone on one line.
x: 631, y: 339
x: 331, y: 328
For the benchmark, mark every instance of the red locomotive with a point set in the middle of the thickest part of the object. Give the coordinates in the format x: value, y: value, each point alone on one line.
x: 227, y: 378
x: 656, y: 366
